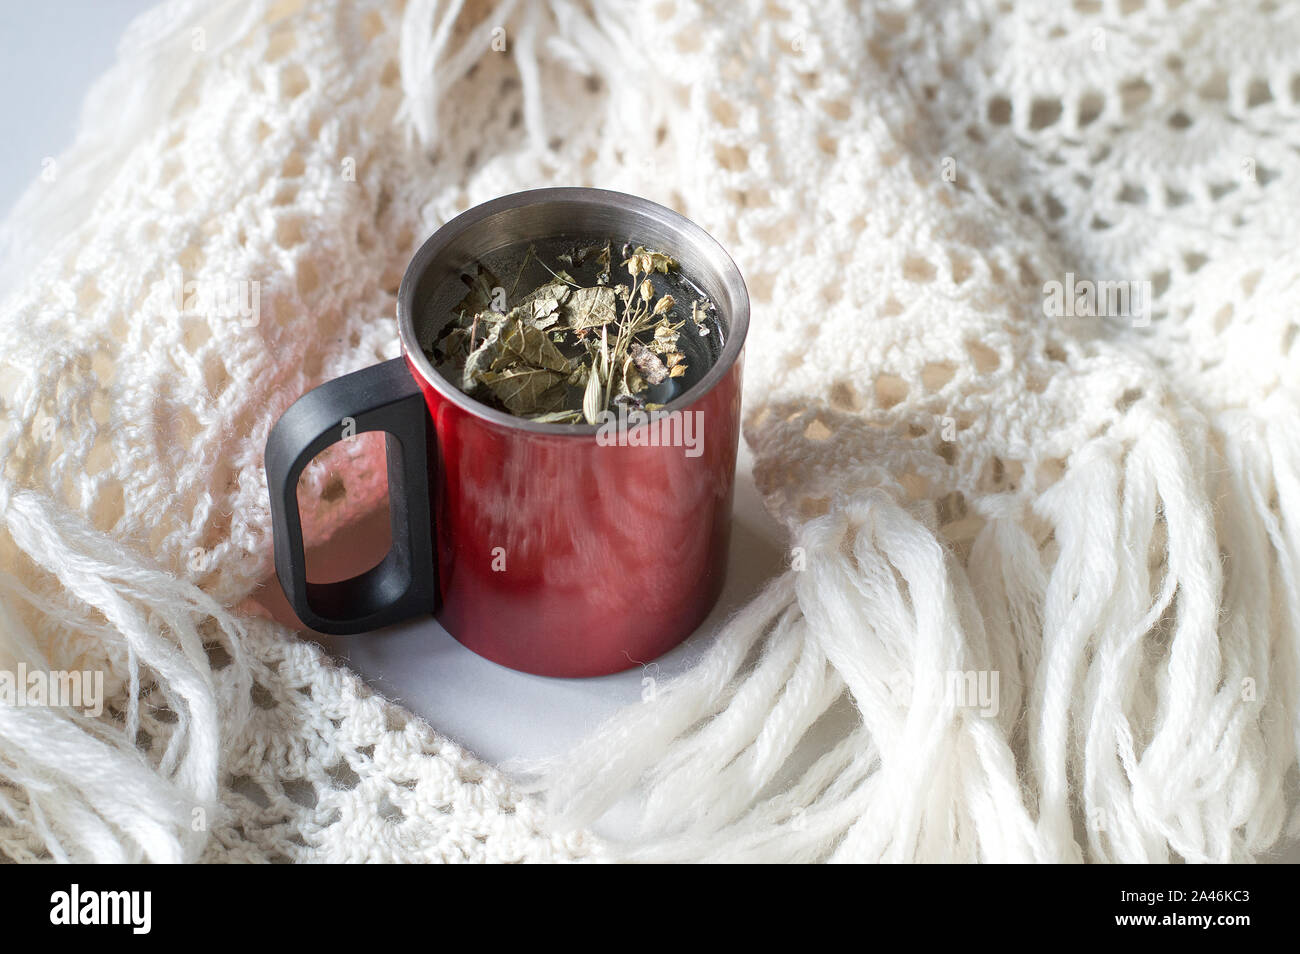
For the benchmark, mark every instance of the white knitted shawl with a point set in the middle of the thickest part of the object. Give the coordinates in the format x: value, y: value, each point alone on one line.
x: 1042, y: 601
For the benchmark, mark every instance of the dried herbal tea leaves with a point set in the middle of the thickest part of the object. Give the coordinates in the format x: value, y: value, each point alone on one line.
x: 479, y: 298
x: 592, y: 307
x: 569, y: 348
x: 525, y: 390
x: 648, y: 363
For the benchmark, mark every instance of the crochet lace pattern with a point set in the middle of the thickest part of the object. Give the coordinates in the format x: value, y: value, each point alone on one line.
x: 1089, y: 507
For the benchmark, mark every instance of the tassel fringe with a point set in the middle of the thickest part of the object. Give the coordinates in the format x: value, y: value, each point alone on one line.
x: 1144, y: 657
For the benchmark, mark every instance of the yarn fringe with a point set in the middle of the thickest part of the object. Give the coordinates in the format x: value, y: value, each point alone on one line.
x: 1123, y: 688
x: 589, y: 39
x: 81, y: 786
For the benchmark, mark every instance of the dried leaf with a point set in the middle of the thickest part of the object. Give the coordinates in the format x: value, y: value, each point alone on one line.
x: 480, y: 360
x: 644, y: 262
x: 632, y: 382
x: 698, y: 316
x: 662, y: 263
x: 525, y: 344
x: 602, y: 278
x: 557, y: 291
x: 648, y: 363
x: 541, y: 306
x: 479, y: 297
x: 454, y: 344
x: 534, y: 359
x: 527, y: 391
x: 665, y: 339
x: 591, y: 307
x: 579, y: 375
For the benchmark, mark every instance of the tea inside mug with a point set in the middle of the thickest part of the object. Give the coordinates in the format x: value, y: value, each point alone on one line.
x: 561, y: 329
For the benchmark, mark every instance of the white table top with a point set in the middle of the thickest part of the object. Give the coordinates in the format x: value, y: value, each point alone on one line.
x: 499, y: 713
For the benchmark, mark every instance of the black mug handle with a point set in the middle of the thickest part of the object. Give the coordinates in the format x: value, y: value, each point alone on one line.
x: 386, y: 398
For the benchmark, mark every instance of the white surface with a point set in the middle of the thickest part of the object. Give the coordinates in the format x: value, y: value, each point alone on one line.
x: 501, y: 714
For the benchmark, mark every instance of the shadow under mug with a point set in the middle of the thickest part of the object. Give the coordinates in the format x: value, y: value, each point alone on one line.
x: 548, y: 548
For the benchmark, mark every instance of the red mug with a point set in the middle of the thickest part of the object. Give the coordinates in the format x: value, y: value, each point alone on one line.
x: 548, y: 548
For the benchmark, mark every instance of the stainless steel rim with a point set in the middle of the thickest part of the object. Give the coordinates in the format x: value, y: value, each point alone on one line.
x: 727, y: 275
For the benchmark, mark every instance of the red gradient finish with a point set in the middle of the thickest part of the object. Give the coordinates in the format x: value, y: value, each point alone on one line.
x: 612, y: 554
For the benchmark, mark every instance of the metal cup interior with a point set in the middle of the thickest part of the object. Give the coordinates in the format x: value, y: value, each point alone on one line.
x: 580, y: 214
